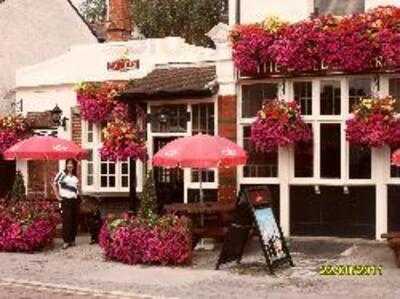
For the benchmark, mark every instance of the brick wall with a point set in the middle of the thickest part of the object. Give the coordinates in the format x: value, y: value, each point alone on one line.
x: 227, y: 128
x: 119, y: 24
x: 36, y: 178
x: 76, y: 127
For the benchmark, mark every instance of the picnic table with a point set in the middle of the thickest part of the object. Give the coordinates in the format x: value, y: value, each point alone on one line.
x: 217, y: 212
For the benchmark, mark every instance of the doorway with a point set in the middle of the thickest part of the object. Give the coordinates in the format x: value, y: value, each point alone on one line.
x: 169, y: 182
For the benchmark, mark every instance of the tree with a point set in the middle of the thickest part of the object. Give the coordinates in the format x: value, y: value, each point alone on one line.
x: 94, y: 11
x: 148, y: 198
x: 190, y: 19
x: 18, y: 191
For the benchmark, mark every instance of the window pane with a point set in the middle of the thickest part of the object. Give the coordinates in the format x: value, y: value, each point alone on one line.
x: 103, y: 181
x: 207, y: 176
x: 125, y: 181
x: 360, y: 162
x: 394, y: 91
x: 89, y: 180
x: 258, y: 164
x: 330, y: 150
x: 90, y: 132
x: 330, y: 97
x: 303, y: 96
x: 338, y: 7
x: 304, y: 159
x: 111, y: 181
x: 104, y: 168
x: 203, y: 119
x: 111, y: 168
x: 169, y: 118
x: 358, y: 88
x: 253, y: 97
x: 124, y: 168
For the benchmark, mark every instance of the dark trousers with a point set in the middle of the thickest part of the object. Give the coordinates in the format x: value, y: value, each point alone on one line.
x: 69, y: 208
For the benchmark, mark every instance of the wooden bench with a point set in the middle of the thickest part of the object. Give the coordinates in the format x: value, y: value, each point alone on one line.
x: 394, y: 243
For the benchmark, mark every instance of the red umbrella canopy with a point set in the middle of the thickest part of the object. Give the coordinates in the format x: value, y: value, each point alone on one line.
x: 200, y: 151
x: 45, y: 148
x: 396, y: 158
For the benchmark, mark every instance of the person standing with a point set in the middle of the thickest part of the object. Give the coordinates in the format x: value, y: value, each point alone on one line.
x: 65, y: 187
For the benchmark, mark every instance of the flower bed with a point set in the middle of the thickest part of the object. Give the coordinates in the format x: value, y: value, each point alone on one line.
x: 279, y: 123
x: 373, y: 124
x: 27, y: 226
x: 353, y: 43
x: 133, y: 240
x: 13, y: 128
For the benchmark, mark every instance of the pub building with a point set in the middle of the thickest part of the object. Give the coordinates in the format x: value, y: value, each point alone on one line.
x: 324, y: 188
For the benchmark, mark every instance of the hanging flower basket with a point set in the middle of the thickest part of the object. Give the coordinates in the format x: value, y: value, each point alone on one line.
x: 122, y: 141
x: 27, y: 226
x: 373, y: 123
x: 355, y: 43
x: 132, y: 240
x: 97, y: 100
x: 12, y: 130
x: 279, y: 124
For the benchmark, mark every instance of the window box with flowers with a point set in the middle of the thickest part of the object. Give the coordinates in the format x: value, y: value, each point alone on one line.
x: 356, y: 43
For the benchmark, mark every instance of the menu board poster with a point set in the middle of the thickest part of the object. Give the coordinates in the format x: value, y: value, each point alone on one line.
x: 270, y: 233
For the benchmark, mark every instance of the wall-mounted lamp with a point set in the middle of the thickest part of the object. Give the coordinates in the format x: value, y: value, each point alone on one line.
x: 317, y: 190
x: 18, y: 105
x: 346, y: 190
x: 58, y: 120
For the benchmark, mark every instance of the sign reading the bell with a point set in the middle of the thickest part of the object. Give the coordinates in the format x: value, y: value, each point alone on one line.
x: 123, y: 65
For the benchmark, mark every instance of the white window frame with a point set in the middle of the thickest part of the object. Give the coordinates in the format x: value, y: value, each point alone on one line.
x: 187, y: 175
x: 95, y: 146
x: 380, y: 158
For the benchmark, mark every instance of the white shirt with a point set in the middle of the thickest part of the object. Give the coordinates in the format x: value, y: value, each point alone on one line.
x: 67, y: 185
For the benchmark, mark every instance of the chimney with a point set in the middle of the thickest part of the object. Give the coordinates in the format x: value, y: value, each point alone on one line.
x: 119, y: 23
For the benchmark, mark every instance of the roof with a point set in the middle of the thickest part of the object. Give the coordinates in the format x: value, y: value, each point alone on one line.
x: 40, y: 120
x: 36, y: 31
x: 194, y: 81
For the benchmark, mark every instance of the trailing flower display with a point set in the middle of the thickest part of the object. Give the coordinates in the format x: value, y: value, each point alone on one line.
x: 353, y: 43
x: 373, y: 123
x: 279, y: 123
x: 97, y: 100
x: 13, y: 128
x: 122, y: 141
x: 132, y: 240
x: 27, y: 226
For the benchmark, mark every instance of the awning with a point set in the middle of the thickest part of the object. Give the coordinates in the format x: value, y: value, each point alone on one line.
x: 174, y: 82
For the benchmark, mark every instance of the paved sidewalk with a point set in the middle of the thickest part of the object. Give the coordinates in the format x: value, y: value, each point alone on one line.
x: 83, y: 269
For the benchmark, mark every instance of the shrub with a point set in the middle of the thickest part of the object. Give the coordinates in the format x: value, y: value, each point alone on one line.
x: 133, y: 240
x: 18, y: 191
x: 27, y: 226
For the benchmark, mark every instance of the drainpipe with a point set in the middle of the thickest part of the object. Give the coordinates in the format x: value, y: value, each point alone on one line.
x: 238, y: 9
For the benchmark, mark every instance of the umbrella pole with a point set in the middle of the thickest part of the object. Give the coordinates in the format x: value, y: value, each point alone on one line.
x: 46, y: 192
x: 201, y: 195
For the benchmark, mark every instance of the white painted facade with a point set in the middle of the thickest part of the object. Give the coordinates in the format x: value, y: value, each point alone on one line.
x: 42, y: 86
x: 252, y: 11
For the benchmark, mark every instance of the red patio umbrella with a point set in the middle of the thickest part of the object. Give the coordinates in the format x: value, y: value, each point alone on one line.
x: 200, y: 152
x: 396, y: 158
x: 45, y: 148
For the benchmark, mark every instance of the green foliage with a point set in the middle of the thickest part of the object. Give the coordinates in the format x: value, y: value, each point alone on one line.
x: 190, y: 19
x: 148, y: 199
x: 94, y: 11
x: 18, y: 188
